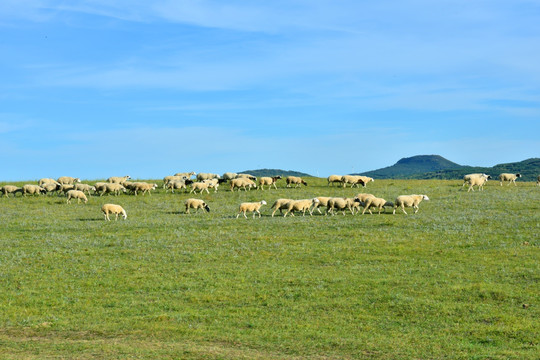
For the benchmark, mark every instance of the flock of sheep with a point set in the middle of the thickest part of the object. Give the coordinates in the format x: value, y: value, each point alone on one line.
x: 480, y: 180
x: 72, y: 188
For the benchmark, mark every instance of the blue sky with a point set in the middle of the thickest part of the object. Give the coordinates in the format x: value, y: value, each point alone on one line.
x: 99, y: 88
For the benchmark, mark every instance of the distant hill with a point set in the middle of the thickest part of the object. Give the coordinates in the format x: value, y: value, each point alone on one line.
x: 274, y: 172
x: 437, y: 167
x: 408, y: 167
x: 529, y: 170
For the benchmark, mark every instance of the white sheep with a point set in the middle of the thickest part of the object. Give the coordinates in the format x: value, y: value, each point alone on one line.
x: 68, y: 180
x: 196, y: 204
x: 478, y: 181
x: 323, y: 201
x: 253, y: 207
x: 113, y: 188
x: 290, y: 180
x: 143, y: 187
x: 213, y: 183
x: 242, y: 183
x: 355, y: 180
x: 300, y: 205
x: 334, y: 179
x: 467, y: 178
x: 177, y: 184
x: 76, y: 194
x: 280, y: 204
x: 246, y: 176
x: 10, y: 189
x: 207, y: 176
x: 113, y: 209
x: 118, y: 179
x: 364, y: 196
x: 51, y: 187
x: 32, y: 190
x: 375, y: 202
x: 201, y: 186
x: 511, y: 178
x: 342, y: 204
x: 229, y: 176
x: 47, y: 181
x: 267, y: 180
x: 66, y: 187
x: 168, y: 179
x: 100, y: 187
x: 408, y: 201
x: 366, y: 179
x: 84, y: 188
x: 186, y: 174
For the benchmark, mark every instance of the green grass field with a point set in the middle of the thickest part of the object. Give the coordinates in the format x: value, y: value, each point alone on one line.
x: 458, y: 280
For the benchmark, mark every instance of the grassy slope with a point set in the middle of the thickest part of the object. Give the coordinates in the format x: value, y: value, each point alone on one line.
x: 449, y: 282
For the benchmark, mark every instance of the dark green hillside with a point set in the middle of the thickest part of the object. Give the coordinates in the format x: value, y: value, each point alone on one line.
x: 407, y: 167
x: 274, y: 172
x: 529, y: 170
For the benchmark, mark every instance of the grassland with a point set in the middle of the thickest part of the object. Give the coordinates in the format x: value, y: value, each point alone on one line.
x: 458, y: 280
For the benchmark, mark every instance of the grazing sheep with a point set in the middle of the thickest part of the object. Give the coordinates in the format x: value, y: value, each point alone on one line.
x: 242, y: 183
x: 364, y: 196
x: 207, y: 176
x: 408, y: 201
x: 266, y: 180
x: 201, y: 186
x: 177, y: 184
x: 251, y: 207
x: 129, y: 185
x: 52, y: 187
x: 32, y: 189
x: 10, y: 189
x: 378, y: 203
x: 85, y: 188
x: 280, y: 204
x: 353, y: 180
x: 246, y: 176
x: 114, y: 188
x: 511, y: 178
x: 168, y: 179
x: 479, y: 181
x: 118, y: 179
x: 100, y: 187
x: 300, y: 205
x: 334, y: 179
x: 186, y: 174
x: 143, y: 187
x: 113, y: 209
x: 68, y: 180
x: 76, y: 194
x: 467, y: 178
x: 214, y: 183
x: 295, y: 180
x: 229, y: 176
x: 365, y: 180
x: 323, y: 201
x: 342, y: 204
x: 65, y: 188
x: 196, y: 204
x: 47, y: 181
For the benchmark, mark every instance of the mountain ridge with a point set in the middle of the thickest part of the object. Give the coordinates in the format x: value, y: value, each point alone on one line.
x: 437, y: 167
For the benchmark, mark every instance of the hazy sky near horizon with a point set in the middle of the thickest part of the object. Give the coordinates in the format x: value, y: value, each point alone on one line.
x: 148, y: 88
